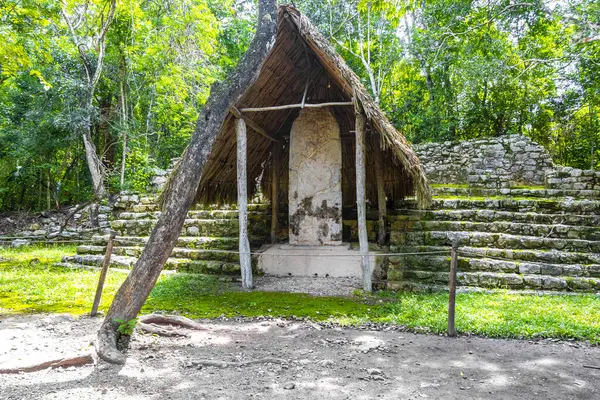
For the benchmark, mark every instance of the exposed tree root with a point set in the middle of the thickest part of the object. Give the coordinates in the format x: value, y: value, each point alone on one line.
x: 106, y: 345
x: 172, y: 320
x: 150, y: 324
x: 75, y: 361
x: 159, y: 330
x: 225, y: 364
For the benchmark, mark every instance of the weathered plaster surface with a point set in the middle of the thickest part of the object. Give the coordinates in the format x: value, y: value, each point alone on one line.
x: 325, y: 261
x: 315, y: 192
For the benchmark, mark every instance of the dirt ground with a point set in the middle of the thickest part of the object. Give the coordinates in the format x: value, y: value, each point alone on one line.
x: 320, y: 362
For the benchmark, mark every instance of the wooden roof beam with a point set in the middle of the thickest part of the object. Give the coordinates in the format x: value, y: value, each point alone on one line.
x: 237, y: 113
x: 299, y: 105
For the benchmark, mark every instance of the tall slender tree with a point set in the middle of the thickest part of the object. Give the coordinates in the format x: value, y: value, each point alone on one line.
x: 132, y: 295
x: 91, y: 49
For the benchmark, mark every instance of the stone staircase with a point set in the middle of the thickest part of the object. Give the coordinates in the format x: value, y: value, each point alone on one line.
x: 208, y: 241
x: 514, y: 238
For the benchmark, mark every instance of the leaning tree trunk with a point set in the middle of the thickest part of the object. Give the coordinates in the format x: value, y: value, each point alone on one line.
x: 133, y: 293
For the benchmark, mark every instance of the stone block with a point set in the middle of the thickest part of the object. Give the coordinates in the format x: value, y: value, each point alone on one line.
x: 554, y: 283
x: 533, y: 281
x: 511, y: 280
x: 488, y: 279
x: 551, y: 269
x: 529, y: 268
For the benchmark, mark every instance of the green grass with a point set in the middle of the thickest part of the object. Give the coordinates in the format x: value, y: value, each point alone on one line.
x: 500, y: 314
x: 497, y: 197
x: 35, y: 253
x: 449, y: 185
x: 33, y: 287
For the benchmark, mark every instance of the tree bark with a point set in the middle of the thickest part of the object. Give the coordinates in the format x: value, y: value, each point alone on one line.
x: 133, y: 293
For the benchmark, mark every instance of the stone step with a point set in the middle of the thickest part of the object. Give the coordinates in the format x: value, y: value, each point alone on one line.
x: 194, y: 214
x: 178, y: 252
x: 546, y: 206
x: 517, y: 255
x: 193, y: 227
x: 441, y: 263
x: 149, y: 204
x: 496, y: 240
x: 178, y: 264
x: 500, y: 280
x: 486, y: 215
x: 545, y: 193
x: 515, y: 228
x: 190, y: 242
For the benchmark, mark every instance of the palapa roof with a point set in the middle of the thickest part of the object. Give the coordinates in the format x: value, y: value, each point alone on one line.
x: 302, y: 60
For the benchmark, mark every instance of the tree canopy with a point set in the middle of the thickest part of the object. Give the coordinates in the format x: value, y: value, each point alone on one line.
x: 442, y: 70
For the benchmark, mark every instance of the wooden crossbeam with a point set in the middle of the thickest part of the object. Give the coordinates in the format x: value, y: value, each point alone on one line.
x: 299, y: 105
x: 256, y: 127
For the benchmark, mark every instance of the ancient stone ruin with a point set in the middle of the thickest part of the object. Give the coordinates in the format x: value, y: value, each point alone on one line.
x: 536, y: 233
x: 494, y: 163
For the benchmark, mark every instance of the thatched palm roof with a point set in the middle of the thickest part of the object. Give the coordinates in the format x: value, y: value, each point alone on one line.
x: 302, y: 60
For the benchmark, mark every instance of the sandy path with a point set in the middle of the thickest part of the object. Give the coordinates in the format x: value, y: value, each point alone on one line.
x: 327, y: 363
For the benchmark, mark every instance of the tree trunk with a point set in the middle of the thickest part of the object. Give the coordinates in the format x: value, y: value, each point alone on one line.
x: 91, y: 155
x: 133, y: 293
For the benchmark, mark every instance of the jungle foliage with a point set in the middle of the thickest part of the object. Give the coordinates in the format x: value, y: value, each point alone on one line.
x: 441, y: 69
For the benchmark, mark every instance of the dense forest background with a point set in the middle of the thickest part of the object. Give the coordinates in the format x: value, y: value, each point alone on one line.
x: 94, y: 95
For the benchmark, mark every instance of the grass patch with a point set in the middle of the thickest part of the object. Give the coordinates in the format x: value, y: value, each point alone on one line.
x: 449, y: 185
x: 497, y: 197
x: 27, y: 287
x: 203, y: 296
x: 35, y: 253
x: 500, y: 314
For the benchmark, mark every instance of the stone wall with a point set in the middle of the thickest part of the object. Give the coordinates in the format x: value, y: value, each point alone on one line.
x: 493, y: 162
x: 567, y: 178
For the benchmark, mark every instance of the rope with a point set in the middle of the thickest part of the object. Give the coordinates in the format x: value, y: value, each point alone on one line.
x: 320, y: 255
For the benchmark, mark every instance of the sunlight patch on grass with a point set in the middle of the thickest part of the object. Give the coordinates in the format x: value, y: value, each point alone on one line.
x: 39, y: 253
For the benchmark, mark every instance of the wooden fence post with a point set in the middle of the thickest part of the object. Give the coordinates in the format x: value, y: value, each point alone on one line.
x: 105, y: 264
x: 452, y: 294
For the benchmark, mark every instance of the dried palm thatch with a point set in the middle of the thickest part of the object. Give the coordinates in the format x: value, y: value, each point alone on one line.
x: 303, y: 66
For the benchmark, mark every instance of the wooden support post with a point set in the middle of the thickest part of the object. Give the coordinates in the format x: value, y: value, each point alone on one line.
x: 103, y: 271
x: 452, y: 295
x: 242, y: 189
x: 275, y: 173
x: 380, y: 194
x: 361, y: 201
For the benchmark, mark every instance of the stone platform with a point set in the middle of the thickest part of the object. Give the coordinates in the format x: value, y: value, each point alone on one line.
x: 302, y: 260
